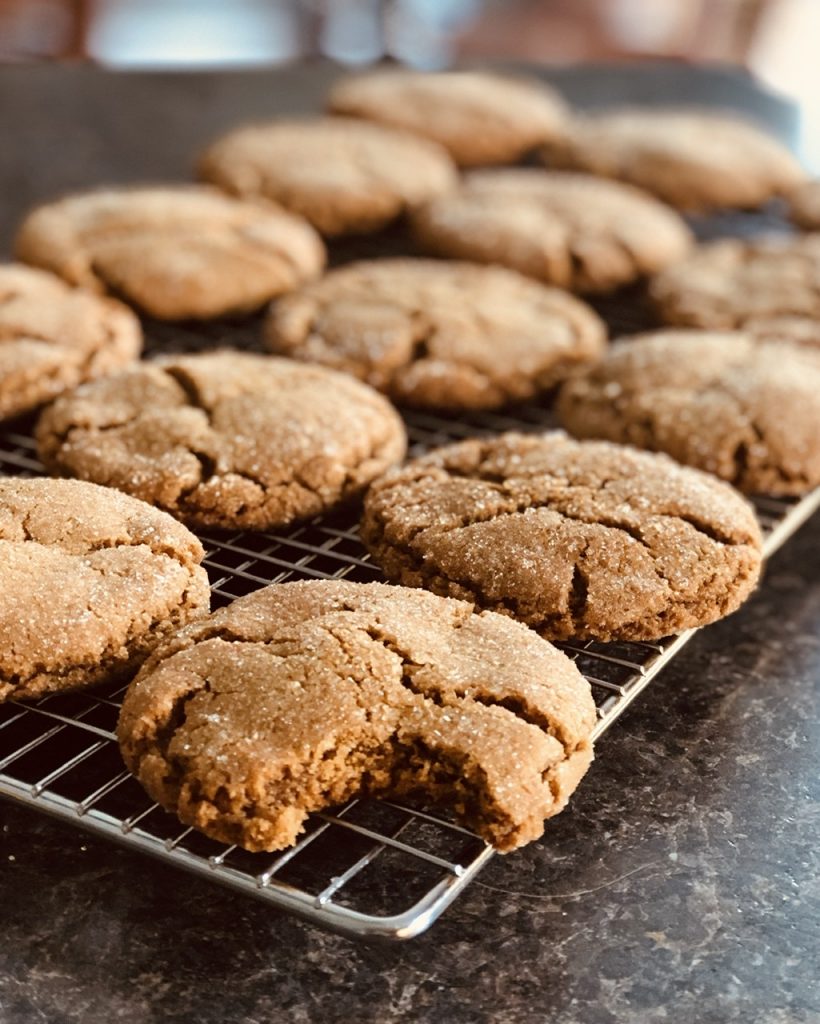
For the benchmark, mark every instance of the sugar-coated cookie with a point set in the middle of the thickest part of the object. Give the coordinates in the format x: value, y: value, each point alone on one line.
x: 578, y: 539
x: 174, y: 251
x: 733, y: 283
x: 302, y: 695
x: 91, y: 580
x: 53, y: 337
x: 480, y: 117
x: 696, y: 160
x: 225, y: 439
x: 747, y: 411
x: 571, y: 230
x: 341, y: 174
x: 438, y: 333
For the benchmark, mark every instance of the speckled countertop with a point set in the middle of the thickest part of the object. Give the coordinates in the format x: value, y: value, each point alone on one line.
x: 681, y: 884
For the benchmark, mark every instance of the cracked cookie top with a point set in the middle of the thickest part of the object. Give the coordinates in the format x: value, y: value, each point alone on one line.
x: 577, y: 538
x: 175, y: 252
x: 481, y: 118
x: 53, y: 337
x: 341, y: 174
x: 302, y: 695
x: 225, y: 439
x: 734, y: 283
x: 746, y: 411
x: 443, y: 334
x: 693, y: 159
x: 572, y: 230
x: 90, y: 581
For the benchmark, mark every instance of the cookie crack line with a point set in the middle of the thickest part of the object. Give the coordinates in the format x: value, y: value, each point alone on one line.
x: 210, y: 471
x: 578, y: 589
x: 155, y: 545
x: 516, y: 706
x: 409, y: 666
x: 85, y: 365
x: 190, y: 388
x: 524, y: 506
x: 94, y: 276
x: 422, y: 330
x: 755, y: 439
x: 437, y: 583
x: 175, y: 719
x: 543, y: 620
x: 463, y: 588
x: 207, y: 470
x: 350, y: 483
x: 583, y: 270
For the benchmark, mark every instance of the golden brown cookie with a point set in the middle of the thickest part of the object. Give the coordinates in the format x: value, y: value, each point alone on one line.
x: 747, y: 411
x: 226, y: 439
x: 794, y: 330
x: 300, y: 696
x: 90, y: 582
x: 175, y: 251
x: 804, y: 206
x: 434, y: 333
x: 576, y: 538
x: 341, y: 174
x: 53, y: 337
x: 571, y: 230
x: 732, y: 283
x: 695, y: 160
x: 481, y: 118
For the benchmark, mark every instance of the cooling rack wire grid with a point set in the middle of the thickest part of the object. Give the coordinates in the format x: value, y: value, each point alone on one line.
x: 370, y: 868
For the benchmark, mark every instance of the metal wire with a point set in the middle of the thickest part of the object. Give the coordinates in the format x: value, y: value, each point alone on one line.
x: 368, y: 869
x: 371, y: 868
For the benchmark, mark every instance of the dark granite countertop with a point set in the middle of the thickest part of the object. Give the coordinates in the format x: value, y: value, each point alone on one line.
x: 681, y: 884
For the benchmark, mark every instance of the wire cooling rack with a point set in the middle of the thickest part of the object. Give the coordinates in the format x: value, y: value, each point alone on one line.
x: 367, y: 869
x: 370, y: 868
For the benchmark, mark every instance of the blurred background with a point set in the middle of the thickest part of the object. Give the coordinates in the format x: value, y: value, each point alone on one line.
x: 776, y: 40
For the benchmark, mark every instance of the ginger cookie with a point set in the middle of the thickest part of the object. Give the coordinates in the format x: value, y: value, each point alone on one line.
x: 578, y: 539
x: 695, y: 160
x: 794, y: 330
x: 481, y: 118
x: 733, y: 283
x: 570, y: 230
x: 804, y: 206
x: 226, y: 439
x: 53, y: 337
x: 342, y: 175
x: 303, y: 695
x: 434, y: 333
x: 747, y: 411
x: 175, y: 252
x: 90, y: 582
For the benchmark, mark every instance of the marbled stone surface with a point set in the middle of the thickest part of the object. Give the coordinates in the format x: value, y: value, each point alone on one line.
x: 681, y: 885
